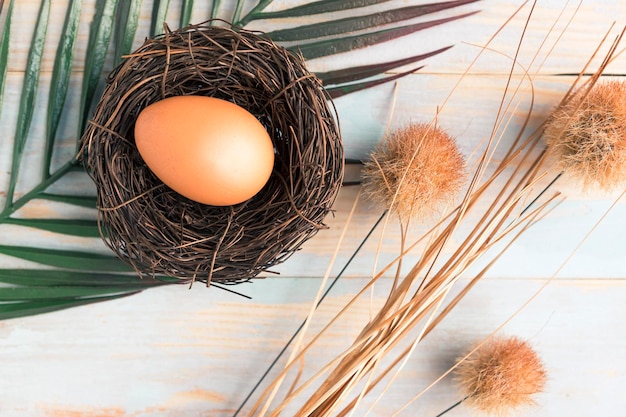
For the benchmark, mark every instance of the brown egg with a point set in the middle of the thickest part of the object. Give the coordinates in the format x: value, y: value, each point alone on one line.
x: 209, y: 150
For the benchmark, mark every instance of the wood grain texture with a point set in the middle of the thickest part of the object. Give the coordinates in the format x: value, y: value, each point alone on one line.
x: 173, y: 351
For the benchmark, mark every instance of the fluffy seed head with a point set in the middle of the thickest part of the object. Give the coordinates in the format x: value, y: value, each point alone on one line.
x: 588, y: 135
x: 418, y: 168
x: 501, y: 375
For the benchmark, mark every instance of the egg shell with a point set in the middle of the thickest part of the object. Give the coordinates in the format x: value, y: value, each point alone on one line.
x: 207, y: 149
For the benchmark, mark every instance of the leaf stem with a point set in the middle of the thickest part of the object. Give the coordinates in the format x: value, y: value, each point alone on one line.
x: 253, y: 14
x: 12, y: 207
x: 453, y: 406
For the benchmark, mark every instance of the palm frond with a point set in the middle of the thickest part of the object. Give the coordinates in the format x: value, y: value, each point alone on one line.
x: 61, y: 277
x: 71, y: 227
x: 357, y: 23
x: 37, y: 291
x: 68, y: 259
x: 316, y: 7
x: 29, y: 92
x: 4, y: 51
x: 348, y: 43
x: 126, y: 27
x: 185, y: 13
x: 159, y: 12
x: 72, y: 277
x: 61, y: 74
x: 215, y: 7
x: 74, y: 200
x: 97, y: 47
x: 366, y: 71
x: 30, y: 307
x: 336, y: 92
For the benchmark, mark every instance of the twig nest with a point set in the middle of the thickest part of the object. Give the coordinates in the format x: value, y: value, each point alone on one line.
x: 416, y: 170
x: 158, y: 231
x: 502, y: 375
x: 587, y: 135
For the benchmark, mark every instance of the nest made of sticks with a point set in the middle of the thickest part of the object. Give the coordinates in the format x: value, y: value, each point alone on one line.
x: 158, y: 231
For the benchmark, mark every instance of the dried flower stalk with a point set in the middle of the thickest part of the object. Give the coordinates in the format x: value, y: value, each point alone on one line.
x: 415, y: 301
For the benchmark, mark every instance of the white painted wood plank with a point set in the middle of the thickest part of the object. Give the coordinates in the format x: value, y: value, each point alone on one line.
x: 171, y: 351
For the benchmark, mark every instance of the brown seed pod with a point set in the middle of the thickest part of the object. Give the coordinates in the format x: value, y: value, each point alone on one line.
x: 416, y: 170
x: 587, y: 135
x: 158, y: 231
x: 501, y: 375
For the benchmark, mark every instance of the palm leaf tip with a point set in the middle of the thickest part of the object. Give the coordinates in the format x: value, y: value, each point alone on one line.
x: 361, y: 72
x: 72, y: 227
x: 28, y: 292
x: 29, y: 307
x: 339, y: 91
x: 70, y: 259
x: 72, y: 278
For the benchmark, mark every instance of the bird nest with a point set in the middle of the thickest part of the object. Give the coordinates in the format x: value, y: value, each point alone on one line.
x: 158, y: 231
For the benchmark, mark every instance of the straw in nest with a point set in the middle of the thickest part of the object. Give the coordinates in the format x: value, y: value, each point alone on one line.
x: 158, y: 231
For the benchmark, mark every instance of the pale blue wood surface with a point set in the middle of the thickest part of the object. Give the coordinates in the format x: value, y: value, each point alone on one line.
x: 172, y: 351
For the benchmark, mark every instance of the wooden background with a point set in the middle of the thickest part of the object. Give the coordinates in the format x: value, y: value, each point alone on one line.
x: 197, y: 352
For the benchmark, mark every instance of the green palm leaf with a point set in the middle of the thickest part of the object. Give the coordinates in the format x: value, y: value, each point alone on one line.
x: 126, y: 27
x: 29, y: 91
x: 71, y: 227
x: 4, y: 52
x: 185, y: 13
x: 75, y: 200
x: 63, y: 277
x: 159, y: 12
x: 215, y: 9
x: 21, y: 294
x: 353, y: 24
x: 70, y: 259
x: 60, y: 80
x: 348, y: 43
x: 317, y: 7
x: 366, y: 71
x: 32, y: 307
x: 336, y: 92
x: 97, y: 47
x: 37, y: 291
x: 72, y: 277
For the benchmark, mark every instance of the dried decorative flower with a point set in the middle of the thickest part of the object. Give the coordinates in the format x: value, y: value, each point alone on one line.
x: 501, y: 375
x: 588, y: 135
x: 415, y: 170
